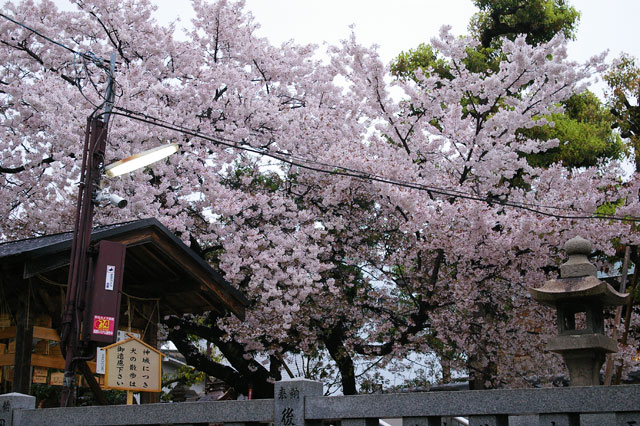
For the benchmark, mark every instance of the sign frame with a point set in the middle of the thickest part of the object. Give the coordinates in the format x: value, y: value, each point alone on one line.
x: 129, y: 388
x: 40, y: 375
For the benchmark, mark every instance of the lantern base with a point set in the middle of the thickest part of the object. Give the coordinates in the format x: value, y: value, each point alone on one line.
x: 577, y: 342
x: 584, y: 355
x: 584, y: 367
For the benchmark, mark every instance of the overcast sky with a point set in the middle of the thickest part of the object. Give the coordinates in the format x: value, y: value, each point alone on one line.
x: 400, y: 25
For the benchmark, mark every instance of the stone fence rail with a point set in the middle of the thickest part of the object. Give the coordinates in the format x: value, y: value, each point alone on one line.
x: 300, y: 403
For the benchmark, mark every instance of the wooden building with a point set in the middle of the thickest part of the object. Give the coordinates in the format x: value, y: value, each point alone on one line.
x: 162, y: 276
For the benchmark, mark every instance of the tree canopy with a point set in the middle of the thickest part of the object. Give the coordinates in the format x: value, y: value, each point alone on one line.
x: 362, y: 229
x: 583, y: 128
x: 623, y: 98
x: 540, y: 20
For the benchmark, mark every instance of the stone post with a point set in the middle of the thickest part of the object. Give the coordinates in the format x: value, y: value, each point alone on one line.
x: 289, y: 401
x: 10, y: 402
x: 495, y: 420
x: 571, y: 419
x: 422, y: 421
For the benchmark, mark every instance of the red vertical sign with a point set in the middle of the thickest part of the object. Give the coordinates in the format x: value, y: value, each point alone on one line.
x: 104, y: 293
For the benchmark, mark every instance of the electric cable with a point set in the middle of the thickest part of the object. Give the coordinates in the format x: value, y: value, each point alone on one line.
x: 314, y: 166
x: 364, y: 175
x: 90, y: 56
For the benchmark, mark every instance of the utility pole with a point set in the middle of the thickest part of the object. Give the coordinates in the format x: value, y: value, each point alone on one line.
x: 73, y: 350
x: 92, y: 163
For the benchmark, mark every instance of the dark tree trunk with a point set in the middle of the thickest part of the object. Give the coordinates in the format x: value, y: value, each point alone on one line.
x: 333, y: 340
x: 481, y: 376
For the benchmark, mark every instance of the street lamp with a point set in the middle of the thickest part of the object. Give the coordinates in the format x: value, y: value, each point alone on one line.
x: 140, y: 160
x: 80, y: 279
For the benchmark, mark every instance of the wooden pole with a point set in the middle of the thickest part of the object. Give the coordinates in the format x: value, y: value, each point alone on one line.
x: 627, y: 321
x: 93, y: 158
x: 95, y: 143
x: 24, y: 337
x: 93, y: 384
x: 608, y: 371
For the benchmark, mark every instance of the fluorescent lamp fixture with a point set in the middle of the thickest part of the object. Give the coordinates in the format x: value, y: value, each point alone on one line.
x: 140, y: 160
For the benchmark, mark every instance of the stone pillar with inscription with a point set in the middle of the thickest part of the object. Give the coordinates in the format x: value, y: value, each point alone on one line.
x: 10, y: 402
x: 579, y: 298
x: 289, y: 401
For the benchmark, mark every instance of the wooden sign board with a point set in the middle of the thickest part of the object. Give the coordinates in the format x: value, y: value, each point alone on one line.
x: 40, y: 375
x: 56, y: 378
x: 5, y: 320
x: 132, y: 365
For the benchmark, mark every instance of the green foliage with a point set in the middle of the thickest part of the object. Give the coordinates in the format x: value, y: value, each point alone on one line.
x: 540, y: 20
x: 585, y: 128
x: 423, y: 57
x: 584, y: 132
x: 113, y: 397
x: 609, y: 209
x: 373, y: 383
x: 482, y: 59
x: 258, y: 181
x: 427, y: 59
x: 624, y: 91
x: 48, y: 396
x: 184, y: 376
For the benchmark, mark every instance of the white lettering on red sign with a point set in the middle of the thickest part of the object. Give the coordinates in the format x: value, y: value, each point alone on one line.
x: 103, y: 325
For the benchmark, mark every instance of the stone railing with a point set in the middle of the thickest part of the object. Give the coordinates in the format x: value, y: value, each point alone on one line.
x: 300, y: 402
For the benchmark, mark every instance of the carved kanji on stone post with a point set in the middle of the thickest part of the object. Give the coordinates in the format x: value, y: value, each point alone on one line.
x: 580, y: 297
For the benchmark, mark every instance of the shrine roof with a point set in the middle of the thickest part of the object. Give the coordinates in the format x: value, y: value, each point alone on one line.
x: 158, y: 265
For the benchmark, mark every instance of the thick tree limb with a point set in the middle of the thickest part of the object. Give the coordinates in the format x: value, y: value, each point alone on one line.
x: 245, y: 373
x: 14, y: 170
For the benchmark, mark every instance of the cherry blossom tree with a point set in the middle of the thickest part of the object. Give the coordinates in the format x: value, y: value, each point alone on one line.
x: 361, y: 228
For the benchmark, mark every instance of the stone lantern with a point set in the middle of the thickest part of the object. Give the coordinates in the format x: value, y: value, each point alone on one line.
x: 579, y: 298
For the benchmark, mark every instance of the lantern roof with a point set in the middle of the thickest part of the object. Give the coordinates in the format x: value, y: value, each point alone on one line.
x: 578, y: 281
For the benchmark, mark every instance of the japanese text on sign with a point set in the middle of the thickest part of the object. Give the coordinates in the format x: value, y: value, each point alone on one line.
x: 110, y: 278
x: 103, y: 325
x: 133, y: 365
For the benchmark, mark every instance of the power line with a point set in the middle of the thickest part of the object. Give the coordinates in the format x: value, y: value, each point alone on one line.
x: 102, y: 63
x: 336, y: 170
x: 343, y: 169
x: 89, y: 55
x: 312, y: 165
